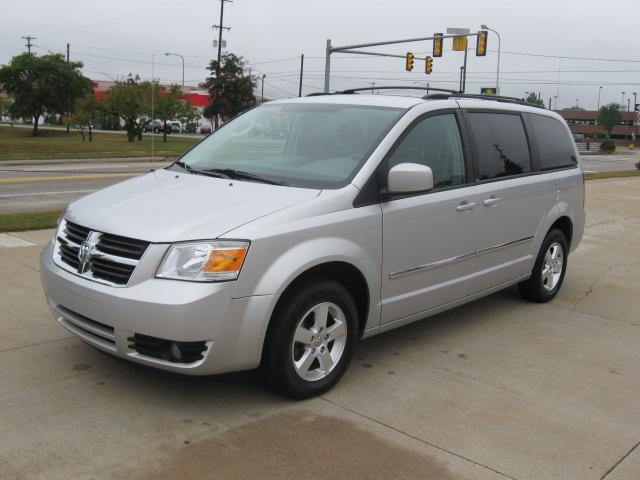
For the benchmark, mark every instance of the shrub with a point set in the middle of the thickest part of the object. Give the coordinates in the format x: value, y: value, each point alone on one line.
x: 608, y: 146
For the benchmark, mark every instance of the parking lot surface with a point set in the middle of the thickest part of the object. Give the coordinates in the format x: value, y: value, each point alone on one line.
x: 499, y: 388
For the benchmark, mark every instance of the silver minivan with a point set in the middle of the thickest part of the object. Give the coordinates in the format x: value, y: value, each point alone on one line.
x: 306, y: 224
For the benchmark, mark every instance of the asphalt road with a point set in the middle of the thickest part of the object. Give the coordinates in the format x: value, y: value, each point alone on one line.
x: 499, y: 389
x: 52, y: 187
x: 610, y: 163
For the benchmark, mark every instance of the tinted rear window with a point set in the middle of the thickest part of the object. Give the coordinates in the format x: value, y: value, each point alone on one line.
x: 554, y: 143
x: 501, y: 145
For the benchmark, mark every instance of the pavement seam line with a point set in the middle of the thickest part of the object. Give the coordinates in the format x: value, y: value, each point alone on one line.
x: 16, y: 261
x: 425, y: 442
x: 598, y: 278
x: 620, y: 461
x: 13, y: 349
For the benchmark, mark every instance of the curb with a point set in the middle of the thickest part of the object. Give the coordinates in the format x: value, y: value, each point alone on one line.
x: 61, y: 161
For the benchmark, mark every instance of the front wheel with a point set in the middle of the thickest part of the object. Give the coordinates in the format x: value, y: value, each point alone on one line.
x: 549, y: 269
x: 311, y: 339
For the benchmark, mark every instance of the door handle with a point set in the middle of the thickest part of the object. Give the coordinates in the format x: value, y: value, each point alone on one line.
x: 465, y: 206
x: 491, y: 201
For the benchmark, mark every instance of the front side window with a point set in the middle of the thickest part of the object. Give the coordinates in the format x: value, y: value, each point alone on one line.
x: 307, y: 145
x: 554, y: 143
x: 501, y: 145
x: 434, y: 142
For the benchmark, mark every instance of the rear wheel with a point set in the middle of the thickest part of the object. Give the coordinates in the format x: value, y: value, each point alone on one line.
x: 548, y: 272
x: 311, y: 339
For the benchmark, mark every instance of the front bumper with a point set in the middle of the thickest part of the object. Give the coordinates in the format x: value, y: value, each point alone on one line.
x: 106, y: 317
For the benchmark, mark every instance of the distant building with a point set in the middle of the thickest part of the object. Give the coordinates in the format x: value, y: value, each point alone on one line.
x: 196, y: 96
x: 584, y: 124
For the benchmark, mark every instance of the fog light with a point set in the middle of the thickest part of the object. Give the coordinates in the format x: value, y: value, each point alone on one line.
x: 176, y: 353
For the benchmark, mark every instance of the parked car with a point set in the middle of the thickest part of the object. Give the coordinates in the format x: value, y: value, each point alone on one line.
x: 151, y: 126
x: 373, y: 212
x: 205, y: 129
x: 156, y: 126
x: 175, y: 127
x: 191, y: 127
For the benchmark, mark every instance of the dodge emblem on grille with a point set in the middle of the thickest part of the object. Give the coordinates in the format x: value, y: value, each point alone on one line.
x: 86, y: 250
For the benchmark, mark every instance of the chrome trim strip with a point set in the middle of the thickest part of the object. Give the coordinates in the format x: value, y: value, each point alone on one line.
x: 452, y: 260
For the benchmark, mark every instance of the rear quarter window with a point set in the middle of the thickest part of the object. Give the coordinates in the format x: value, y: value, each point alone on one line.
x: 555, y: 146
x: 501, y: 147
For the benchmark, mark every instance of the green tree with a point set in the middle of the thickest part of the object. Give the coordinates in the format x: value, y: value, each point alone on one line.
x: 230, y: 90
x: 39, y: 85
x: 5, y: 102
x: 167, y: 106
x: 188, y: 113
x: 609, y: 116
x: 131, y: 101
x: 534, y: 100
x: 85, y: 114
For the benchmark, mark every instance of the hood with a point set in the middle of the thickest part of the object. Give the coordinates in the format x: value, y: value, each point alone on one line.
x: 168, y: 206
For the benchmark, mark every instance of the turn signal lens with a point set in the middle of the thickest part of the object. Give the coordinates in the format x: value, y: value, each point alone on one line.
x: 225, y: 260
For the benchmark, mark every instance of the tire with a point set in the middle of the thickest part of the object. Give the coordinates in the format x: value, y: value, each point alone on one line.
x: 301, y: 357
x: 548, y: 271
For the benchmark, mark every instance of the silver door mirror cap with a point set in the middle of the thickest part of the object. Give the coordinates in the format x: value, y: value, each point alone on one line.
x: 410, y: 178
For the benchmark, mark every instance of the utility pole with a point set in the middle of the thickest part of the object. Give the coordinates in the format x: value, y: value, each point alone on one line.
x: 220, y: 28
x: 599, y: 93
x: 262, y: 92
x: 373, y: 85
x: 301, y: 71
x: 68, y: 99
x: 28, y: 38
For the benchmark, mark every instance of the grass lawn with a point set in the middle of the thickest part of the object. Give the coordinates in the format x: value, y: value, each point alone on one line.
x: 17, y: 222
x: 19, y: 144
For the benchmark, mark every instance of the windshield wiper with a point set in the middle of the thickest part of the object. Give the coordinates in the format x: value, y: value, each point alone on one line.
x: 239, y: 174
x: 195, y: 171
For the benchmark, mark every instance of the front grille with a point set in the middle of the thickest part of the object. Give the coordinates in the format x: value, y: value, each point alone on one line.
x: 112, y: 259
x: 189, y: 352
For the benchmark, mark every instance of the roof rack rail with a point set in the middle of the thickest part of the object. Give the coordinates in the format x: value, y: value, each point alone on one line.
x: 383, y: 87
x: 495, y: 98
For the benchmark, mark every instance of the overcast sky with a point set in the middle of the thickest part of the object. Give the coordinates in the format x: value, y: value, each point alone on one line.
x: 117, y: 37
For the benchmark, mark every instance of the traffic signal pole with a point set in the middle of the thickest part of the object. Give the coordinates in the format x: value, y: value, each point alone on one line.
x: 355, y: 49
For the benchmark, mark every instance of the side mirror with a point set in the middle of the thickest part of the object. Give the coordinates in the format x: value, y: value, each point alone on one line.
x: 409, y: 178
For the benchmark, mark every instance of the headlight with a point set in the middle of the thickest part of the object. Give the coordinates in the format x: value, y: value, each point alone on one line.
x: 204, y: 261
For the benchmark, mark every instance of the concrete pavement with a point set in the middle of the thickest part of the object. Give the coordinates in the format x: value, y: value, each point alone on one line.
x: 499, y: 388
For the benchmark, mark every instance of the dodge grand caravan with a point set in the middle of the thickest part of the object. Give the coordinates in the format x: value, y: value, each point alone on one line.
x: 306, y: 224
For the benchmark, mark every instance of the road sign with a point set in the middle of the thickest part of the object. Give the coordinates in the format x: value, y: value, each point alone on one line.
x: 487, y: 91
x: 458, y: 31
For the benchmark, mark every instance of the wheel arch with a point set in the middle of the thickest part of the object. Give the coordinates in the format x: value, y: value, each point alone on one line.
x: 345, y: 273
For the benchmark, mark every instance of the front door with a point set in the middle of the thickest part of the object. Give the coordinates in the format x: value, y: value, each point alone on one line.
x: 428, y: 238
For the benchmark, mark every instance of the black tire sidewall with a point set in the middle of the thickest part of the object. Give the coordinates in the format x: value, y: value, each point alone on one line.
x: 277, y: 353
x: 538, y: 291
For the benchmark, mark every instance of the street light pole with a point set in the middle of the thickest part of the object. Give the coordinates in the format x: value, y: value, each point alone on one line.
x: 484, y: 27
x: 181, y: 58
x: 599, y: 92
x: 622, y: 102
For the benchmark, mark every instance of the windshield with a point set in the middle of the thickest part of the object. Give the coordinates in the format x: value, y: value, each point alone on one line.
x: 303, y: 145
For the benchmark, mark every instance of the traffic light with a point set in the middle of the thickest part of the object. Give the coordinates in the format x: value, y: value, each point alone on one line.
x: 428, y: 65
x: 481, y: 45
x: 438, y: 44
x: 409, y: 62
